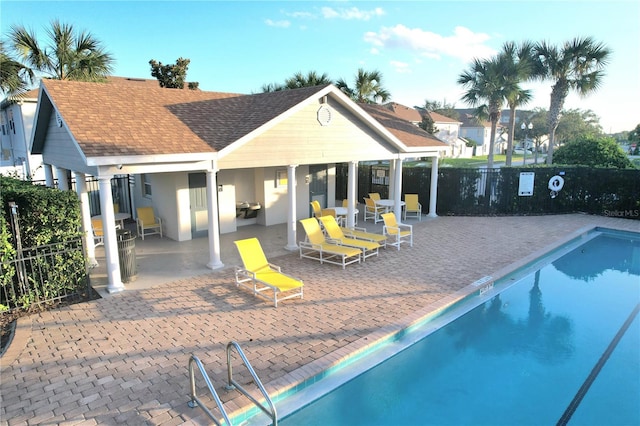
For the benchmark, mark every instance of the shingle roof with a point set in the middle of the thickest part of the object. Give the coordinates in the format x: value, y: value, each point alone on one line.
x: 404, y: 112
x: 439, y: 118
x: 410, y: 134
x: 118, y: 118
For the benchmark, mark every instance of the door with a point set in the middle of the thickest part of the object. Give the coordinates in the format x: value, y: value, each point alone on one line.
x: 318, y: 185
x: 198, y: 204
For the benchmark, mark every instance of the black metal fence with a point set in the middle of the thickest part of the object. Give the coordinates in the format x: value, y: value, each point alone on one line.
x: 463, y: 191
x: 120, y: 191
x: 44, y: 275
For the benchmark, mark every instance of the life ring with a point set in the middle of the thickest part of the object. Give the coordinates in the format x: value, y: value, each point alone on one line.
x: 556, y: 183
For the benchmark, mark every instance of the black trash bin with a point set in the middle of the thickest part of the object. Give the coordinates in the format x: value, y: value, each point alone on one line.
x: 127, y: 255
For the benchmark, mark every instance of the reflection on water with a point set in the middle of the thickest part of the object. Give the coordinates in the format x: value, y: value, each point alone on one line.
x: 544, y: 336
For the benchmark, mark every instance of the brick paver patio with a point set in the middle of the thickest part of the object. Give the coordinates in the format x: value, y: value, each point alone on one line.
x: 123, y: 359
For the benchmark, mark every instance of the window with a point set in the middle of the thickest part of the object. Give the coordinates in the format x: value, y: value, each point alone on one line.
x: 146, y: 186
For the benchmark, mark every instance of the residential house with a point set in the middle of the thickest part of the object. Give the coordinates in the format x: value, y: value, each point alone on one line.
x: 16, y: 119
x: 195, y: 155
x: 479, y: 132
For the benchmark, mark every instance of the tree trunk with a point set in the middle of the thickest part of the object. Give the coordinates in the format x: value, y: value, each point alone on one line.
x: 559, y: 93
x: 512, y: 127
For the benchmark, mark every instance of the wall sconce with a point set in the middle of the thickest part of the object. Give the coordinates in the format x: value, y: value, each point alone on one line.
x: 307, y: 179
x: 219, y: 188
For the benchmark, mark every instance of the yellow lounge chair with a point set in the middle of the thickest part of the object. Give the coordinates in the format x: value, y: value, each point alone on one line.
x: 397, y: 232
x: 362, y: 234
x: 369, y: 248
x: 412, y: 206
x: 263, y: 275
x: 318, y: 211
x: 147, y: 221
x: 317, y: 247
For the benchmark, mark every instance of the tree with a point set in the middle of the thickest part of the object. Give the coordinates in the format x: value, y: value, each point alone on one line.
x: 593, y: 151
x: 298, y: 80
x: 367, y: 88
x: 488, y: 85
x: 172, y: 76
x: 518, y: 68
x: 443, y: 108
x: 71, y: 55
x: 427, y: 123
x: 577, y: 65
x: 575, y: 123
x: 15, y: 77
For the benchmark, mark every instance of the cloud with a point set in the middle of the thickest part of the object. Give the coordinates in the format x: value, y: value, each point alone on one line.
x: 401, y: 67
x: 464, y: 44
x: 278, y: 24
x: 351, y: 13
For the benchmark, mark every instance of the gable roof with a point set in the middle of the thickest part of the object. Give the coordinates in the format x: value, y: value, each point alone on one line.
x: 404, y: 112
x: 411, y: 135
x: 124, y: 117
x: 439, y: 118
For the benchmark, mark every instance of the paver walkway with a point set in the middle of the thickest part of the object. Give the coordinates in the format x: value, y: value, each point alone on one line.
x: 123, y: 359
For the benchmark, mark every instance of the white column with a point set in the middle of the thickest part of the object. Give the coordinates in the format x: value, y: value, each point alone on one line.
x: 433, y: 190
x: 63, y: 182
x: 352, y: 186
x: 48, y: 175
x: 85, y: 216
x: 291, y: 210
x: 110, y: 240
x: 397, y: 188
x: 213, y: 217
x: 392, y: 178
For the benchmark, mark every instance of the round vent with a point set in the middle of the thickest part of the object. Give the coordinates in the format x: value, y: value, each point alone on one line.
x: 324, y: 115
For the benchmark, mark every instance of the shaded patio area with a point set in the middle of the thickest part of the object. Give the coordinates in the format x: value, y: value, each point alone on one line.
x: 123, y: 358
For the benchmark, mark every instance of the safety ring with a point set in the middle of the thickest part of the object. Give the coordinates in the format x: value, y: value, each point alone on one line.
x: 556, y: 183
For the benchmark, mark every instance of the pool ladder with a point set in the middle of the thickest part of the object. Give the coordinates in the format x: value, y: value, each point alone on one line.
x: 195, y: 401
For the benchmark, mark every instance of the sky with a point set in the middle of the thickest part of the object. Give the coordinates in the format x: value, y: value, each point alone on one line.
x: 419, y: 47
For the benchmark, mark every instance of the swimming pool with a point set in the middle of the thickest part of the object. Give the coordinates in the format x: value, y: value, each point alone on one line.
x: 555, y: 342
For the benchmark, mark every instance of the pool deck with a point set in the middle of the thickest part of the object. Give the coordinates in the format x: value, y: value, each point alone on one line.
x: 123, y: 359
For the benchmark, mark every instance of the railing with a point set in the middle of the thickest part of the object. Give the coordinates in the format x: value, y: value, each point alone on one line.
x: 232, y: 384
x: 271, y: 411
x: 44, y: 275
x: 195, y: 401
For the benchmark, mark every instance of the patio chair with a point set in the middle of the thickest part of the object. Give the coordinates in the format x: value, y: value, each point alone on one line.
x: 148, y: 221
x: 258, y: 275
x: 396, y: 232
x: 371, y: 211
x: 412, y: 206
x: 98, y: 231
x: 318, y: 211
x: 317, y: 247
x: 375, y: 196
x: 334, y: 232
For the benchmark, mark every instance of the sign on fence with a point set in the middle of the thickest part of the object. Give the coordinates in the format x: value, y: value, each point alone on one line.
x: 525, y: 185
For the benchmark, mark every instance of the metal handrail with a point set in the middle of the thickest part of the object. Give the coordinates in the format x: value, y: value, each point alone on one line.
x: 271, y: 411
x: 195, y: 401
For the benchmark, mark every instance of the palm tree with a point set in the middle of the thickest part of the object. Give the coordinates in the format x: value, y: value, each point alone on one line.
x: 70, y: 55
x: 311, y: 79
x: 368, y: 88
x: 488, y: 87
x: 15, y: 77
x: 578, y: 64
x: 520, y: 69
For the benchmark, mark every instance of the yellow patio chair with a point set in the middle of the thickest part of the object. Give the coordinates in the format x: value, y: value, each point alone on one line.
x: 396, y: 232
x: 371, y: 211
x: 317, y: 247
x: 260, y: 276
x: 148, y: 221
x: 334, y: 232
x: 412, y: 206
x: 98, y: 232
x: 318, y: 211
x: 345, y: 203
x: 375, y: 196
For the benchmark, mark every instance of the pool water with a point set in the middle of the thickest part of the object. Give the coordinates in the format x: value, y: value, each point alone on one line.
x: 559, y: 346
